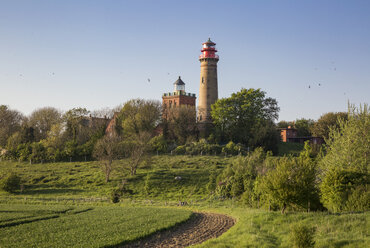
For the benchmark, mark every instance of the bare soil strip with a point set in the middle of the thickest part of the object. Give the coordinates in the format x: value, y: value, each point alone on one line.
x: 199, y: 228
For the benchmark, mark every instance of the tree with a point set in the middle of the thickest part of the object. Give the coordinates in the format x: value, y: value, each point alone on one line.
x: 304, y: 127
x: 73, y: 119
x: 345, y: 167
x: 285, y: 124
x: 327, y: 121
x: 140, y: 115
x: 181, y: 123
x: 43, y: 119
x: 292, y: 182
x: 10, y: 183
x: 106, y: 150
x: 10, y: 122
x: 236, y: 116
x: 137, y: 149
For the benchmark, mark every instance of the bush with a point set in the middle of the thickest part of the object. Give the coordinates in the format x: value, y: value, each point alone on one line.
x: 344, y: 169
x: 180, y: 150
x: 115, y: 195
x: 302, y: 236
x: 11, y: 183
x: 158, y: 144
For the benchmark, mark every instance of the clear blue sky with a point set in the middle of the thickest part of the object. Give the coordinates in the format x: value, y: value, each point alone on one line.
x: 97, y: 54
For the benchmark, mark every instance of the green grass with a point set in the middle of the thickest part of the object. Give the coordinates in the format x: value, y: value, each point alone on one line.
x: 259, y: 228
x: 86, y: 180
x: 102, y: 224
x: 71, y: 226
x: 289, y: 148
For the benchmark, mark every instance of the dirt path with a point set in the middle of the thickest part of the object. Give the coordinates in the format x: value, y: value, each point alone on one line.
x: 199, y: 228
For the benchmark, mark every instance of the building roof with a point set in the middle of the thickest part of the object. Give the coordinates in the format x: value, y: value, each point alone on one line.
x: 209, y: 42
x: 179, y: 82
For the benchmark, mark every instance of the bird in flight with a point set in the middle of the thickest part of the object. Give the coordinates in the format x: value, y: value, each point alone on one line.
x: 319, y: 84
x: 149, y: 80
x: 309, y: 86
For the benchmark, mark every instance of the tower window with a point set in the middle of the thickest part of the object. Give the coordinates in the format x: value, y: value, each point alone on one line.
x: 202, y: 80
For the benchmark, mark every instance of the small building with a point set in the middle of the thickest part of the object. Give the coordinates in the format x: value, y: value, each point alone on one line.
x: 177, y: 98
x: 289, y: 134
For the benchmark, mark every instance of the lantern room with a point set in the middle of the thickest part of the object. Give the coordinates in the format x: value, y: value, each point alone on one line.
x: 208, y: 50
x: 179, y: 86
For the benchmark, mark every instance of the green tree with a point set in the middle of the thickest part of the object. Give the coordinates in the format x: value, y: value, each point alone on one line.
x: 73, y: 119
x: 292, y: 182
x: 140, y: 115
x: 236, y: 116
x: 345, y: 167
x: 285, y: 124
x: 304, y: 127
x: 43, y: 119
x: 326, y: 122
x: 10, y: 182
x: 181, y: 124
x: 159, y: 144
x: 10, y: 122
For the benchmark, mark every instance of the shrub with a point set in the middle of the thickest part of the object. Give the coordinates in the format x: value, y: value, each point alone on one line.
x: 11, y: 183
x: 158, y: 144
x: 180, y: 150
x: 302, y: 236
x: 211, y: 186
x: 344, y: 169
x: 115, y: 195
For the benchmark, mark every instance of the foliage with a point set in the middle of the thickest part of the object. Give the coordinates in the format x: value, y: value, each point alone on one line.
x: 238, y: 179
x: 180, y: 124
x: 232, y: 148
x: 292, y: 182
x: 202, y: 147
x: 346, y: 164
x: 140, y: 115
x: 289, y: 148
x: 10, y: 183
x: 302, y: 236
x: 43, y: 119
x: 326, y: 122
x: 159, y: 144
x: 236, y: 117
x: 10, y: 122
x: 73, y: 119
x: 304, y: 127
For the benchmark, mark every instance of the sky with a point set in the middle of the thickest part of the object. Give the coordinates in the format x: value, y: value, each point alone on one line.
x: 313, y: 56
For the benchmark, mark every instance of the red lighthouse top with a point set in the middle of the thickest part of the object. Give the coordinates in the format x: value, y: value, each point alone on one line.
x: 208, y: 50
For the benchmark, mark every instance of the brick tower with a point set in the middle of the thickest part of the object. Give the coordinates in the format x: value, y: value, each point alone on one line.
x: 177, y: 98
x: 208, y: 90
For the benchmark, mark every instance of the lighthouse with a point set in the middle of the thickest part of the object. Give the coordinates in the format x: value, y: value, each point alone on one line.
x: 208, y: 90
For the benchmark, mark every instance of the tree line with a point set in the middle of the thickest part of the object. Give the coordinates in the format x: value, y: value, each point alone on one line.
x: 242, y: 122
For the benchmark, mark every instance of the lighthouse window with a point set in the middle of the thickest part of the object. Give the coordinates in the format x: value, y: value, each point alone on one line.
x: 202, y: 80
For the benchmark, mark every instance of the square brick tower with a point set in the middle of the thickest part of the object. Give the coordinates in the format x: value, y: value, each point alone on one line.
x: 177, y: 98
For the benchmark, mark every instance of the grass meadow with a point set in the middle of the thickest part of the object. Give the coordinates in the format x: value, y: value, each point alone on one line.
x: 68, y: 205
x: 81, y: 226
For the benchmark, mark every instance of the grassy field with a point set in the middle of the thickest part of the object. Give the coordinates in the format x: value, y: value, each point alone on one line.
x: 260, y: 228
x: 86, y: 180
x: 73, y: 206
x: 71, y: 226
